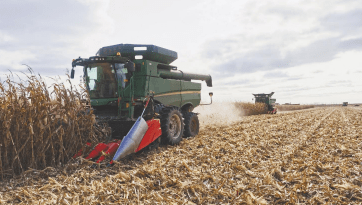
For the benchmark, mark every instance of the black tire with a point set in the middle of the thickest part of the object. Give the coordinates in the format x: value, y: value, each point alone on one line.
x: 172, y: 125
x: 192, y: 124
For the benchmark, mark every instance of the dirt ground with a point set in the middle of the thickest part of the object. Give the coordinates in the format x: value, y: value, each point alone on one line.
x: 311, y: 156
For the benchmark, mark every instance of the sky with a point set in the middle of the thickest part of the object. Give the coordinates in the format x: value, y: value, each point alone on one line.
x: 305, y: 51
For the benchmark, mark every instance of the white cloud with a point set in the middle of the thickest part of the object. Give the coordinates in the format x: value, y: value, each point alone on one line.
x: 15, y: 59
x: 47, y: 35
x: 4, y: 38
x: 295, y: 48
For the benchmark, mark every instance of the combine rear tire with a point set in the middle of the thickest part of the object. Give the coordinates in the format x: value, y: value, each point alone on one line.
x: 192, y: 124
x: 172, y: 125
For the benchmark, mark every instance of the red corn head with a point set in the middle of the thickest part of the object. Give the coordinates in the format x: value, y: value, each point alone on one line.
x: 96, y: 152
x: 153, y: 132
x: 112, y: 148
x: 132, y: 140
x: 80, y: 152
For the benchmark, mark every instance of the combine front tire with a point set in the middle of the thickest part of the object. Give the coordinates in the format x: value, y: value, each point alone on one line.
x: 172, y: 125
x: 192, y: 124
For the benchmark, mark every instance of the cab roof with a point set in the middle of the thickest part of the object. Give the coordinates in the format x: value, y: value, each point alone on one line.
x: 140, y: 51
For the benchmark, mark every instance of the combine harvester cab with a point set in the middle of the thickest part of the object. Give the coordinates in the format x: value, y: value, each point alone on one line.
x: 267, y: 100
x: 134, y: 89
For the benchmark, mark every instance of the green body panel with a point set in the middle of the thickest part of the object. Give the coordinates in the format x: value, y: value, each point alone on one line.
x: 191, y: 93
x: 166, y: 91
x: 170, y: 92
x: 101, y: 101
x: 173, y: 92
x: 169, y: 86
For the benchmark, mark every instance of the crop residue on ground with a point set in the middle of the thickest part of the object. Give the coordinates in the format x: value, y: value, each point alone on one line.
x: 311, y: 157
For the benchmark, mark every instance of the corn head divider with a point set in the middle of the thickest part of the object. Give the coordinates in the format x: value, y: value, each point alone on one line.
x: 136, y: 92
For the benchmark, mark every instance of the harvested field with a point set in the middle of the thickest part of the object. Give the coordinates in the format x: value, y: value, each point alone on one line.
x: 310, y: 156
x: 293, y: 107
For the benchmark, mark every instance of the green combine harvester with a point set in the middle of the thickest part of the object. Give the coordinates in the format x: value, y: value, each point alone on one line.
x: 130, y: 81
x: 267, y: 100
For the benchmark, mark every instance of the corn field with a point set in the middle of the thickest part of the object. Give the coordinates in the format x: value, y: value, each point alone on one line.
x: 293, y: 107
x: 307, y: 157
x: 39, y: 128
x: 251, y: 108
x: 260, y: 108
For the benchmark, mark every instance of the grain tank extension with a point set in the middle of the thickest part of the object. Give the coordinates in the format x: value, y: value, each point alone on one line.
x: 127, y: 82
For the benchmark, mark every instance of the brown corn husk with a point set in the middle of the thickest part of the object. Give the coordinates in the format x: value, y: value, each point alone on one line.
x: 39, y: 128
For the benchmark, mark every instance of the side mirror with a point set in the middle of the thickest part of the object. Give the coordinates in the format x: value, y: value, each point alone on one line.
x: 130, y: 67
x: 72, y: 73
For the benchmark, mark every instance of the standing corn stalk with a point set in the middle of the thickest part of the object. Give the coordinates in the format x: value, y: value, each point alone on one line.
x: 251, y: 108
x: 39, y: 128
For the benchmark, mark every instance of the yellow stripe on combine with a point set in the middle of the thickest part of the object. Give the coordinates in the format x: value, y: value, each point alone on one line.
x: 178, y: 93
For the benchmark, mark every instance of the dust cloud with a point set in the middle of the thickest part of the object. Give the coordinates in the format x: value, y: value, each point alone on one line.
x: 220, y: 113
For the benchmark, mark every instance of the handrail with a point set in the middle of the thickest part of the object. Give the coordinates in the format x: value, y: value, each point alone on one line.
x: 210, y: 94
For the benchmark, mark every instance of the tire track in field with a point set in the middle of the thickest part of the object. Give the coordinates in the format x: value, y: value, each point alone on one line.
x: 353, y: 125
x: 336, y: 157
x: 297, y: 158
x: 303, y: 120
x: 254, y: 129
x: 265, y: 145
x: 292, y: 118
x: 279, y: 132
x: 282, y: 147
x: 343, y: 115
x: 295, y: 175
x: 304, y: 136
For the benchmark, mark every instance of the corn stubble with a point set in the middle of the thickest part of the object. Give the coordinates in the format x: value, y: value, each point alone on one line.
x: 293, y: 107
x: 310, y: 157
x: 39, y: 129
